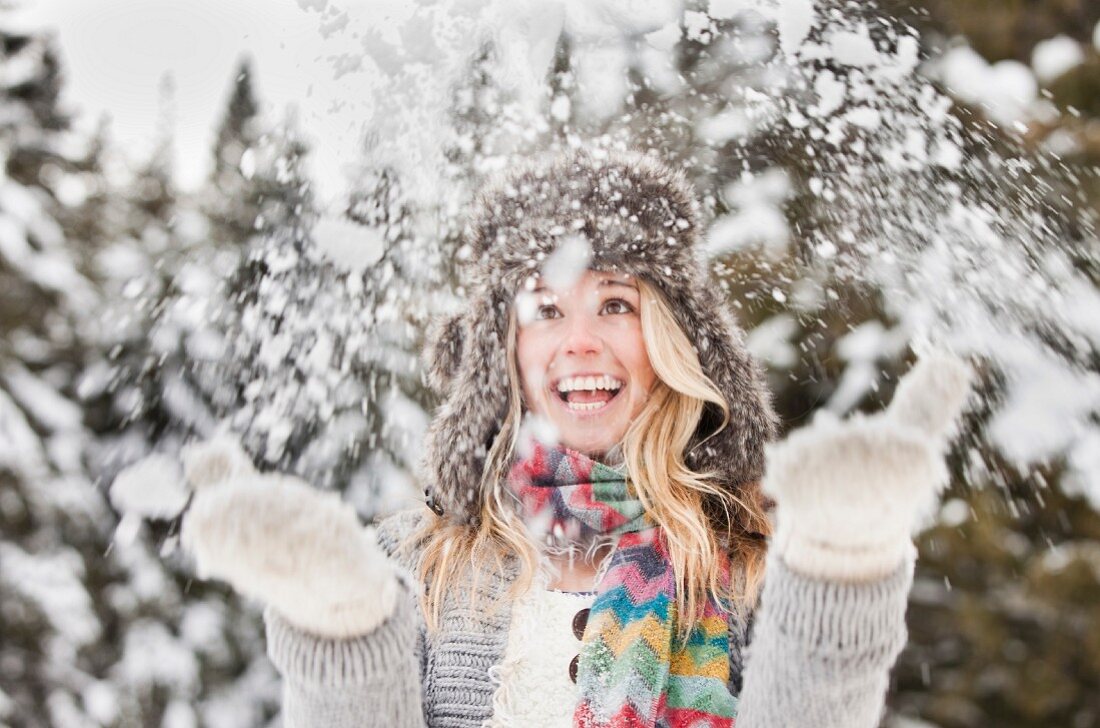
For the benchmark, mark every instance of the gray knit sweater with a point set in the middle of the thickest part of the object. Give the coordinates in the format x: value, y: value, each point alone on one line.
x: 820, y: 656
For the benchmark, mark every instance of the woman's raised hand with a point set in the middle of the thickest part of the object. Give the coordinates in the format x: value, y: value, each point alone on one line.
x: 274, y: 538
x: 849, y: 493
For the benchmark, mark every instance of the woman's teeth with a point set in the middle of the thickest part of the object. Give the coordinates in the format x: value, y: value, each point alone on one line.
x: 604, y: 381
x: 584, y: 394
x: 585, y: 406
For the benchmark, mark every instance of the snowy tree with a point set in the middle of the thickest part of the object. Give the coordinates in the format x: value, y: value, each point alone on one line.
x: 256, y: 182
x: 283, y: 191
x: 52, y: 519
x: 323, y: 343
x: 173, y: 374
x: 232, y: 199
x: 1003, y: 612
x: 97, y: 628
x: 158, y: 271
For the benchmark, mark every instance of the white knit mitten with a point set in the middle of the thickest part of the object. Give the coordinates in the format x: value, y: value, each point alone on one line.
x: 274, y: 538
x: 850, y: 493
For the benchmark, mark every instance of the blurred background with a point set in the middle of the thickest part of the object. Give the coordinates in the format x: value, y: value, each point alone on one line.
x: 180, y: 254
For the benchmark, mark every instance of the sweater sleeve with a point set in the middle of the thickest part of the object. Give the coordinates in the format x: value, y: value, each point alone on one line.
x: 368, y: 680
x: 821, y: 651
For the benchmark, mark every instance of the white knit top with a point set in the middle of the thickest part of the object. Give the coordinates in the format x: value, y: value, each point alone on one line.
x: 533, y: 685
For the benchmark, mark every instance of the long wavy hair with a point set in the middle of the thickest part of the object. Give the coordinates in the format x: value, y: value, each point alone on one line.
x: 700, y: 517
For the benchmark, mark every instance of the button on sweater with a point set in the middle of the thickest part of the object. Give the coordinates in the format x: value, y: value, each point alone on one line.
x: 820, y: 656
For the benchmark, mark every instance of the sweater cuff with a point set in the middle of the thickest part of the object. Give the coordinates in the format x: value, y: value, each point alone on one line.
x: 309, y: 659
x: 825, y: 561
x: 836, y: 619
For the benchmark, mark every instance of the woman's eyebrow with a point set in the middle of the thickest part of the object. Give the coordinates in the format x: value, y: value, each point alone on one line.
x: 626, y: 283
x: 616, y: 282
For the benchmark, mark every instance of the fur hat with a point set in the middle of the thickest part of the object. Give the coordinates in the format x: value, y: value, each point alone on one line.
x: 639, y: 218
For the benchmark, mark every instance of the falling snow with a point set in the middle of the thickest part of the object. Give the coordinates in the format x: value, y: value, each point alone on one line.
x: 866, y: 194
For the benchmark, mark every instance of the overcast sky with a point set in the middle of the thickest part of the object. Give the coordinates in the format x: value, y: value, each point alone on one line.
x: 115, y: 53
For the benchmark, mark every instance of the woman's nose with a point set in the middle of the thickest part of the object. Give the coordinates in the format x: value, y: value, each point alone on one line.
x: 581, y: 339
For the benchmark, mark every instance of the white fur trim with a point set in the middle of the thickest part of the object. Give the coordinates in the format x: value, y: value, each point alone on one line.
x: 274, y: 538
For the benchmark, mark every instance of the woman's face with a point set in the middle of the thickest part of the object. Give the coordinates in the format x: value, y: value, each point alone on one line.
x: 582, y: 360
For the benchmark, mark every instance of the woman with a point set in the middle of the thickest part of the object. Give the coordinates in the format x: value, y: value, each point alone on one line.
x: 603, y: 572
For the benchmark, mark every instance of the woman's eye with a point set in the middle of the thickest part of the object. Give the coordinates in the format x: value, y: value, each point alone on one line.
x: 547, y: 312
x: 617, y: 306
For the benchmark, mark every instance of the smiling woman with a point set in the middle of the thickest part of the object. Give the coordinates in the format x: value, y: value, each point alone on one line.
x: 654, y: 476
x: 583, y: 360
x: 606, y: 364
x: 644, y: 472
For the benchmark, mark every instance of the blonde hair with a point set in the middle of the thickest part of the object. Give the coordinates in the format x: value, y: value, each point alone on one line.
x: 653, y: 448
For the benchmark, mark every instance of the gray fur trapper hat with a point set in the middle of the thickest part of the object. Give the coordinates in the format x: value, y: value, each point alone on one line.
x: 639, y: 218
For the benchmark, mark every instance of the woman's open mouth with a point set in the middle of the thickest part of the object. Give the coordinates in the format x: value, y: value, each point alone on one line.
x: 584, y: 394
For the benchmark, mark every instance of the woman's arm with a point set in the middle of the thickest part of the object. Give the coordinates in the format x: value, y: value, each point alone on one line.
x: 821, y: 651
x: 367, y: 680
x: 342, y: 621
x: 831, y: 620
x: 357, y: 682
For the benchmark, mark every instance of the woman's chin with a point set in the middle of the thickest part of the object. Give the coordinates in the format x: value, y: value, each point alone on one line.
x: 588, y: 442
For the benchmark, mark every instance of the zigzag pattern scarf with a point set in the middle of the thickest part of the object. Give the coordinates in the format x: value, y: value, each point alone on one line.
x: 633, y: 669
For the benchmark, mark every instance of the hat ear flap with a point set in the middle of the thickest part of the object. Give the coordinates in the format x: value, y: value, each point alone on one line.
x: 464, y: 428
x: 443, y: 353
x: 736, y: 452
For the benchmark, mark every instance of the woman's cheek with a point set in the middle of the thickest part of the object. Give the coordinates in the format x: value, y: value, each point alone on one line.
x: 535, y: 377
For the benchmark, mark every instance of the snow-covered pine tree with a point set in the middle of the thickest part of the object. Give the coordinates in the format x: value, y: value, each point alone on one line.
x: 53, y: 523
x: 92, y: 633
x: 411, y: 276
x: 162, y: 290
x: 283, y: 299
x: 190, y: 262
x: 329, y: 352
x: 95, y: 631
x: 325, y: 336
x: 231, y: 200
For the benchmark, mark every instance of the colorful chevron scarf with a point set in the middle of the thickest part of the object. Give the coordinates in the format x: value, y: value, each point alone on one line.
x: 633, y: 669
